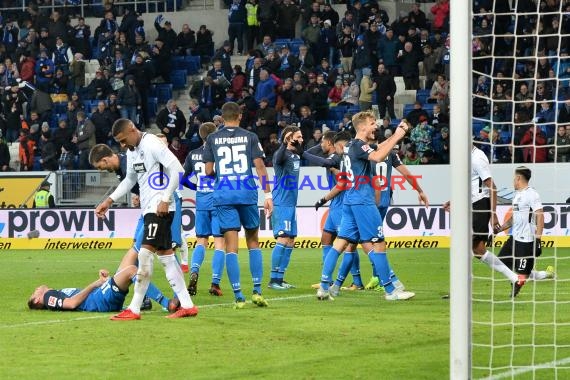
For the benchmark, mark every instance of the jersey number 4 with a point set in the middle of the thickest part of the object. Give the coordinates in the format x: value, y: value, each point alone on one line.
x: 233, y: 159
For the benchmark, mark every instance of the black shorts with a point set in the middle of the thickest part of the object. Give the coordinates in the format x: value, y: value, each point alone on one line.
x: 480, y: 218
x: 521, y: 259
x: 157, y: 231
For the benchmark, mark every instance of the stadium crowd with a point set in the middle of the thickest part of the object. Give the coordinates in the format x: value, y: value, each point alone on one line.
x: 521, y: 76
x: 317, y: 79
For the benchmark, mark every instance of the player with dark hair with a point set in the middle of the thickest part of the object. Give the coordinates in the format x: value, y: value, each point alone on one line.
x: 286, y: 162
x: 484, y: 205
x: 234, y: 152
x: 527, y: 221
x: 361, y: 222
x: 106, y: 294
x: 148, y: 158
x: 207, y: 223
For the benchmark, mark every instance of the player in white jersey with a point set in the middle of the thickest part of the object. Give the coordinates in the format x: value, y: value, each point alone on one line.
x: 156, y: 170
x: 484, y: 205
x: 527, y: 221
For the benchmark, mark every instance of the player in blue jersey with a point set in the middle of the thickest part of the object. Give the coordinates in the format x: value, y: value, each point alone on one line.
x: 286, y: 163
x: 206, y: 220
x: 234, y: 152
x: 361, y: 221
x: 103, y: 158
x: 106, y: 294
x: 334, y: 164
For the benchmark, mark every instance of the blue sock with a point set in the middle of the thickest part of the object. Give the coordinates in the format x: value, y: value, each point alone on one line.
x: 217, y: 266
x: 393, y: 276
x: 154, y: 294
x: 276, y: 256
x: 355, y: 270
x: 284, y: 263
x: 197, y: 258
x: 328, y: 268
x: 326, y: 249
x: 256, y: 268
x: 380, y: 261
x: 344, y: 268
x: 232, y: 267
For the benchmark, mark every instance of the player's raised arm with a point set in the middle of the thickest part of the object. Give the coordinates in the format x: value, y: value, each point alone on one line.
x: 385, y: 148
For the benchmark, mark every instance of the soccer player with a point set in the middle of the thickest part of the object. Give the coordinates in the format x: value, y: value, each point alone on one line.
x: 286, y: 162
x: 147, y: 159
x: 234, y: 152
x: 334, y: 165
x: 484, y: 206
x: 360, y: 217
x: 102, y: 157
x: 384, y: 171
x: 106, y: 294
x: 527, y: 220
x: 207, y: 223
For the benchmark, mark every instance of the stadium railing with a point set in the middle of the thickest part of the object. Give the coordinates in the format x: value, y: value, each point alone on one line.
x: 84, y: 188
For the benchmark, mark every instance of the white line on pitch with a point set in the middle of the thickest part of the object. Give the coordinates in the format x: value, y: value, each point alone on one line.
x: 106, y: 315
x: 519, y: 371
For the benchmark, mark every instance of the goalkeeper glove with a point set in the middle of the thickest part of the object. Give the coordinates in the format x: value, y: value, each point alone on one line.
x: 321, y: 202
x: 298, y: 147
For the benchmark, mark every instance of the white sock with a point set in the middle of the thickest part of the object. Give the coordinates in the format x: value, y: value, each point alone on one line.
x: 537, y: 275
x: 175, y: 278
x: 497, y: 265
x: 183, y: 251
x: 144, y: 274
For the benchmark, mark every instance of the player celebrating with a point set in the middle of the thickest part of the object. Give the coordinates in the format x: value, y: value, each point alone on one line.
x: 235, y: 151
x: 207, y: 223
x: 527, y: 220
x: 360, y: 217
x: 286, y: 162
x: 384, y: 171
x: 484, y: 205
x: 148, y: 158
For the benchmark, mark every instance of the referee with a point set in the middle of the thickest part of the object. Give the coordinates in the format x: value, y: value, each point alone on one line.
x: 43, y: 198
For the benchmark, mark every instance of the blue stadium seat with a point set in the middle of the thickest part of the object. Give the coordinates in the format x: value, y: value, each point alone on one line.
x: 294, y: 46
x: 179, y: 79
x: 353, y: 109
x: 477, y: 126
x: 178, y: 62
x: 422, y: 95
x: 152, y: 107
x: 60, y: 107
x: 191, y: 64
x: 407, y: 109
x: 163, y: 92
x: 282, y: 41
x: 337, y: 113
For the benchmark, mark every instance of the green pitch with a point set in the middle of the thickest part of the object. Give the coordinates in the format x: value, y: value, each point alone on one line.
x: 359, y: 335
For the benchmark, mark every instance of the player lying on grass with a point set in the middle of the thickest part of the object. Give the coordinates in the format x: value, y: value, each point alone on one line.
x: 106, y: 294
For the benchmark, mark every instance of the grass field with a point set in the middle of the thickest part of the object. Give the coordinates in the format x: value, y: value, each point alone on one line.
x: 357, y: 336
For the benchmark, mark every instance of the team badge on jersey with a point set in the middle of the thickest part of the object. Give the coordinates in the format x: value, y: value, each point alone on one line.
x: 367, y: 148
x: 139, y: 167
x: 52, y: 301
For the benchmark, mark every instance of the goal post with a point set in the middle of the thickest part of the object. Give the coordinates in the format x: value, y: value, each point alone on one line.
x: 460, y: 141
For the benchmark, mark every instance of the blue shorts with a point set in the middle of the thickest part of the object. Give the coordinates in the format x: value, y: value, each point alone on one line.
x: 284, y: 220
x: 332, y: 224
x: 383, y: 211
x: 108, y: 297
x: 207, y: 224
x: 175, y: 227
x: 233, y: 217
x: 361, y: 224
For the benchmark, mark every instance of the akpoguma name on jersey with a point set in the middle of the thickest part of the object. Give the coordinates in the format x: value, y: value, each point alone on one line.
x: 230, y: 140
